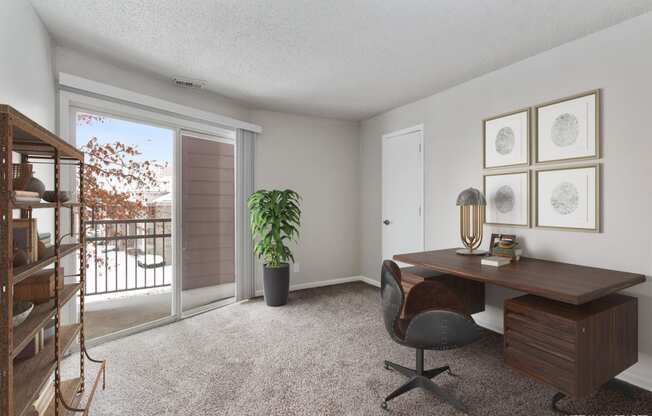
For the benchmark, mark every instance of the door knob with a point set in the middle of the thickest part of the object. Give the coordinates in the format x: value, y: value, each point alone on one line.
x: 386, y: 222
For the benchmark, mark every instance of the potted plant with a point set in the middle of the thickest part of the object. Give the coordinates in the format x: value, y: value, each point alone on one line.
x: 275, y: 219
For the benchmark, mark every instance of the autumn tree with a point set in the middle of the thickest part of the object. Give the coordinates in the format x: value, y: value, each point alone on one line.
x: 116, y: 180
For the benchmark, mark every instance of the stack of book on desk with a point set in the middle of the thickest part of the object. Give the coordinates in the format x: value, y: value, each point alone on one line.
x: 504, y: 251
x: 511, y: 253
x: 507, y: 246
x: 495, y: 261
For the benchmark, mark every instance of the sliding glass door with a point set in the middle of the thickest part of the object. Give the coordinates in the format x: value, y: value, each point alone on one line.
x: 207, y: 220
x: 160, y: 218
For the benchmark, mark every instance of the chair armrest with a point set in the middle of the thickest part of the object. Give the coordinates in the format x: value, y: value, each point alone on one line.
x: 431, y: 294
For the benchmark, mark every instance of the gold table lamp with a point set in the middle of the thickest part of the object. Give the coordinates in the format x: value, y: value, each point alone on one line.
x: 472, y: 213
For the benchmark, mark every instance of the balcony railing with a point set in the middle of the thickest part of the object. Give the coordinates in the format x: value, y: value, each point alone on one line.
x: 126, y: 255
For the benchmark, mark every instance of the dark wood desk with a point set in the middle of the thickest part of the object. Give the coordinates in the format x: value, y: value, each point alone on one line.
x: 571, y: 331
x: 562, y: 282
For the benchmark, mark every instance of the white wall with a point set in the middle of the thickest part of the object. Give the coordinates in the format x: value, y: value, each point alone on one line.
x: 615, y: 60
x: 96, y: 68
x: 318, y: 158
x: 26, y: 77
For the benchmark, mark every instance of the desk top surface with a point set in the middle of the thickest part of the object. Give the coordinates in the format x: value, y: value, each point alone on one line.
x: 563, y: 282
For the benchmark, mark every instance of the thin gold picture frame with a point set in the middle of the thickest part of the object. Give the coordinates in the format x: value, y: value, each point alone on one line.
x: 528, y: 197
x: 598, y: 193
x: 528, y: 139
x: 598, y: 129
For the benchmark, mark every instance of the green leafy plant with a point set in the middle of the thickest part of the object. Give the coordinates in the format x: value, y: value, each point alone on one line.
x: 275, y: 221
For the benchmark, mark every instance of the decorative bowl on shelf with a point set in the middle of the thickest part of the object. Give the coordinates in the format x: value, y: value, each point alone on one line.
x: 22, y: 173
x: 22, y: 309
x: 35, y: 185
x: 51, y: 196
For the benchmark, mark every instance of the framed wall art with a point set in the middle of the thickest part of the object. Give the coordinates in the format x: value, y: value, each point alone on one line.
x: 508, y: 198
x: 568, y: 198
x: 506, y: 140
x: 568, y: 129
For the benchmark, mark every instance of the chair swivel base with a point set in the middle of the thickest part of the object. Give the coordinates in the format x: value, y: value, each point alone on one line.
x: 420, y: 378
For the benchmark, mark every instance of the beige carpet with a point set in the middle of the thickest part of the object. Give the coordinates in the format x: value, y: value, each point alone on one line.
x: 321, y: 354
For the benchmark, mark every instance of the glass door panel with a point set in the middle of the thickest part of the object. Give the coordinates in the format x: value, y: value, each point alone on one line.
x: 129, y: 195
x: 207, y: 220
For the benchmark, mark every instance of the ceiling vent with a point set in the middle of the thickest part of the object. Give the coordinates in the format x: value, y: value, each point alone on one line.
x: 189, y: 83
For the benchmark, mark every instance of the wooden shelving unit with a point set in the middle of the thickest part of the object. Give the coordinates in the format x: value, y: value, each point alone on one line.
x: 23, y: 272
x: 21, y: 380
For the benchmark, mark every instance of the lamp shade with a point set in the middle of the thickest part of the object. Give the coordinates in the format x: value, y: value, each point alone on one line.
x: 471, y: 196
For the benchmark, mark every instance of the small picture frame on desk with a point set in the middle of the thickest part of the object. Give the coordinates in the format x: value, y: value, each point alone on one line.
x: 495, y: 238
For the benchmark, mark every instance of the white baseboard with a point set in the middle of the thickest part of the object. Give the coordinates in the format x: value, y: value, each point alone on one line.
x: 320, y: 283
x: 639, y: 374
x: 489, y: 324
x: 369, y: 281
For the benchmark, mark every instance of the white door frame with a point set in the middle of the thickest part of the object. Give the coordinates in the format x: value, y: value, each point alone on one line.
x: 414, y: 129
x: 69, y: 102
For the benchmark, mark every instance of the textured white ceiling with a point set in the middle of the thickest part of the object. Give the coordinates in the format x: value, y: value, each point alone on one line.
x: 336, y: 58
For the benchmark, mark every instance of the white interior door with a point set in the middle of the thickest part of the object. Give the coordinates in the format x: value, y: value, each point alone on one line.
x: 402, y: 177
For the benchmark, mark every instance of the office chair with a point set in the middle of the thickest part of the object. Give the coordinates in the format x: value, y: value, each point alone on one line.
x: 433, y: 320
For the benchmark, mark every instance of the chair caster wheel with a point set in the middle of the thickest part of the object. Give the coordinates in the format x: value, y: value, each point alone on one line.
x: 383, y: 405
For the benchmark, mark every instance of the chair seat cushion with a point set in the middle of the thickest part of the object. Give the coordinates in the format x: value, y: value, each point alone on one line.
x: 440, y: 330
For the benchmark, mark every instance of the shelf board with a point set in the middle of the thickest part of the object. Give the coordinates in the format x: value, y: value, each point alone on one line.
x: 39, y: 317
x: 70, y: 393
x: 23, y: 272
x: 37, y: 205
x: 31, y: 374
x: 31, y: 205
x: 31, y: 138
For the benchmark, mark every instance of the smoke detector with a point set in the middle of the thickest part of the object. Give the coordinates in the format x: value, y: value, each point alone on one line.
x: 182, y: 82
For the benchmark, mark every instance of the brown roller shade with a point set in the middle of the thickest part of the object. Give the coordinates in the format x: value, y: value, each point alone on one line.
x: 208, y: 217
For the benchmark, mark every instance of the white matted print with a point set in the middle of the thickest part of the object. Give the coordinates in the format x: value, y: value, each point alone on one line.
x: 568, y: 129
x: 508, y: 198
x: 507, y: 140
x: 568, y: 198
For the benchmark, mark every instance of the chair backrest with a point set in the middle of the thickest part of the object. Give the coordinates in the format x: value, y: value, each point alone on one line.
x: 439, y: 324
x: 392, y: 296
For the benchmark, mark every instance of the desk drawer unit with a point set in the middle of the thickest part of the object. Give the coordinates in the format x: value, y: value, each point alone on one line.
x: 573, y: 348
